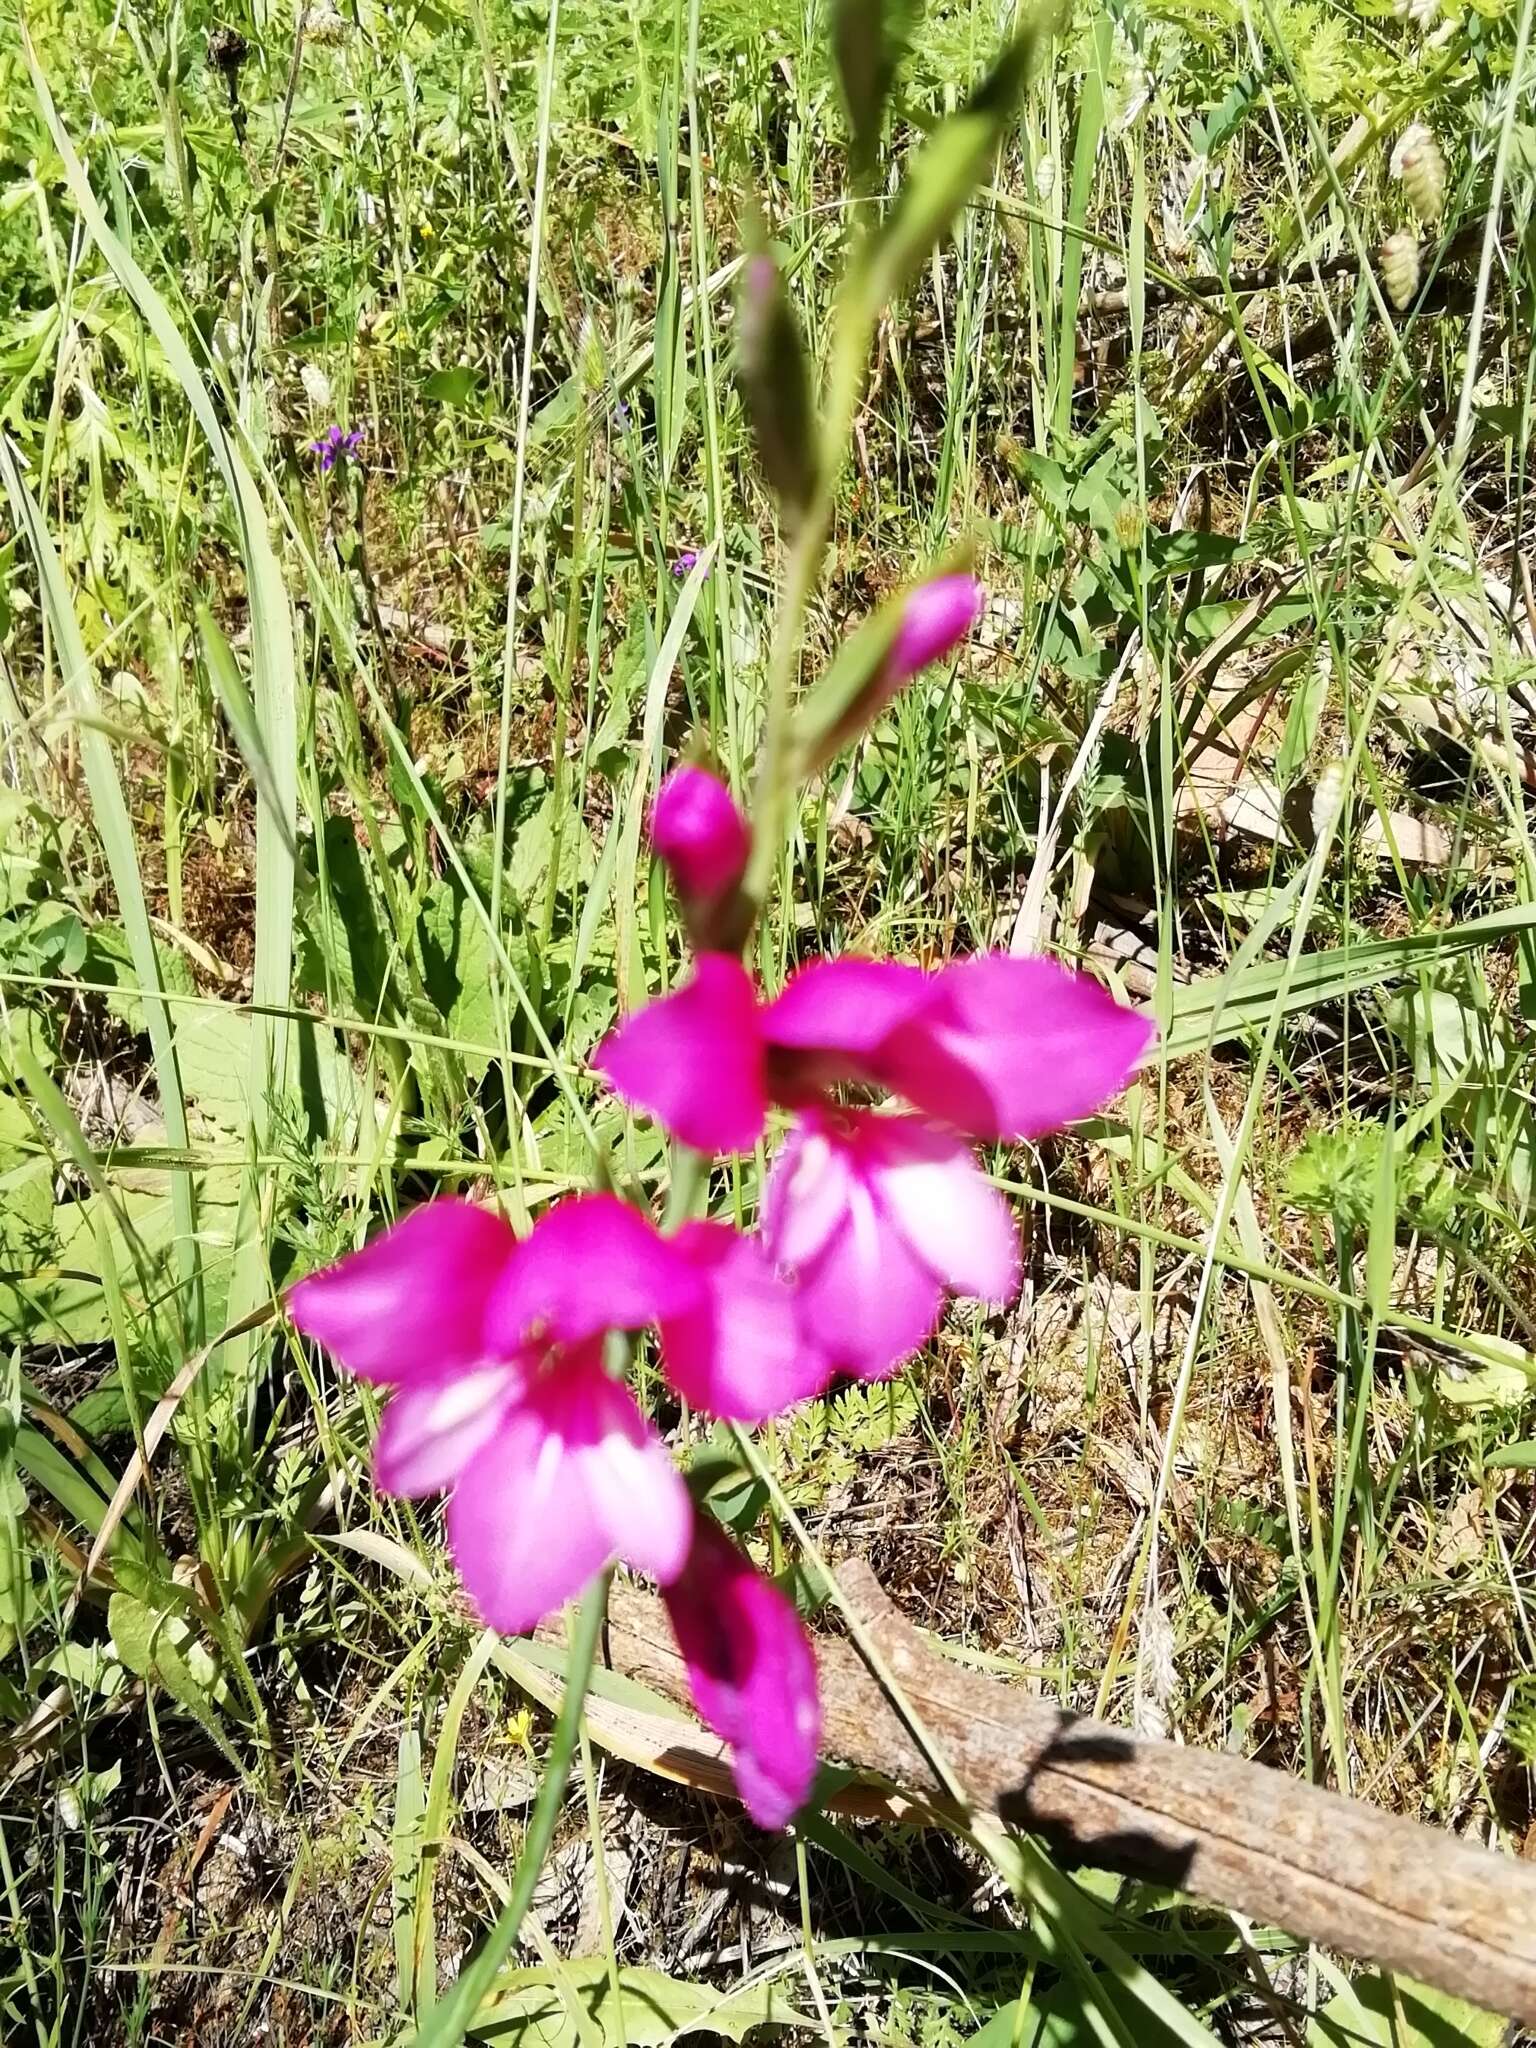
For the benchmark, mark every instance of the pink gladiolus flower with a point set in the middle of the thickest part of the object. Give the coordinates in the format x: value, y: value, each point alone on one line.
x: 704, y: 840
x: 752, y: 1673
x: 494, y: 1349
x: 996, y: 1047
x: 877, y: 1217
x: 936, y: 618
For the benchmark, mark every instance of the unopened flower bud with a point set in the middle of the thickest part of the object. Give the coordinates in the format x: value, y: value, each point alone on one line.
x: 908, y: 632
x: 704, y: 840
x: 1129, y: 524
x: 936, y: 618
x: 1418, y: 162
x: 1399, y: 262
x: 775, y: 384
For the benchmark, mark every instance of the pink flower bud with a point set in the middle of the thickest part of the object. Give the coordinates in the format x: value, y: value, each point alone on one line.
x: 700, y: 834
x: 937, y: 617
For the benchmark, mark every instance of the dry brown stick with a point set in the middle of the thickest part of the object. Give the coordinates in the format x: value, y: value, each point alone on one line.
x: 1243, y: 284
x: 1248, y: 1838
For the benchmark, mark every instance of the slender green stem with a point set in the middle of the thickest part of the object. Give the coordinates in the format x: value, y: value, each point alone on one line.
x: 569, y: 638
x: 447, y: 2026
x: 850, y: 351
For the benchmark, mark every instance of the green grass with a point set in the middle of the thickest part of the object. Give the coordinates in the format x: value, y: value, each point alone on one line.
x: 324, y: 871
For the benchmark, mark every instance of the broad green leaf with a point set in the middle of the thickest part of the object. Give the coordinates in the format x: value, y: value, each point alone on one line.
x: 1512, y: 1457
x: 163, y: 1650
x: 1490, y: 1386
x: 1309, y: 700
x: 529, y: 2011
x: 215, y: 1047
x: 1377, y: 2011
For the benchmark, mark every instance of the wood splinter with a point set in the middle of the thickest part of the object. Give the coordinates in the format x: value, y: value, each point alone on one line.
x: 1281, y: 1852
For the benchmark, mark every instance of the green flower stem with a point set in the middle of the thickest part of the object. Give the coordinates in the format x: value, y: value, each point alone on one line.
x: 777, y: 765
x: 446, y: 2026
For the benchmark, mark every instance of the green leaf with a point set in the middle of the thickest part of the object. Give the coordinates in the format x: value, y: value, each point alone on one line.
x: 1376, y: 2011
x: 1490, y: 1386
x: 528, y: 864
x: 1512, y: 1458
x: 132, y: 1626
x: 235, y: 702
x: 1303, y: 721
x: 457, y: 971
x: 459, y: 387
x: 1236, y: 1003
x: 163, y: 1650
x: 406, y: 1854
x: 1057, y: 2020
x: 529, y: 2011
x: 214, y: 1044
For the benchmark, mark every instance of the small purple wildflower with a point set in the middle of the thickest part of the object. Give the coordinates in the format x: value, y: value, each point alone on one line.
x: 621, y: 413
x: 685, y: 561
x: 333, y: 444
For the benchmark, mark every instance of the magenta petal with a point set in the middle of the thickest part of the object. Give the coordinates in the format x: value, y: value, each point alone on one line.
x: 751, y: 1671
x: 866, y: 1295
x: 432, y: 1429
x: 742, y: 1354
x: 695, y: 1058
x: 806, y: 1196
x: 849, y: 1005
x: 521, y: 1528
x: 1014, y: 1048
x: 637, y: 1492
x: 590, y: 1264
x: 948, y: 1211
x: 411, y: 1304
x: 871, y: 1301
x: 573, y: 1479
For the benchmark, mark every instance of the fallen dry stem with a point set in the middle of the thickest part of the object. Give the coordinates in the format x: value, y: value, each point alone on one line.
x: 1248, y: 1838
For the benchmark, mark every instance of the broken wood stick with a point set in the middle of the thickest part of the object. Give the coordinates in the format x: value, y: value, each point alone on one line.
x: 1248, y: 1838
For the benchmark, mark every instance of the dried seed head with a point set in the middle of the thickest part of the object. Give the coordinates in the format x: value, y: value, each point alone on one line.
x: 317, y: 387
x: 1327, y: 798
x: 1399, y: 263
x: 589, y: 356
x: 1419, y: 13
x: 1418, y: 162
x: 1045, y: 179
x: 227, y: 50
x: 322, y: 24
